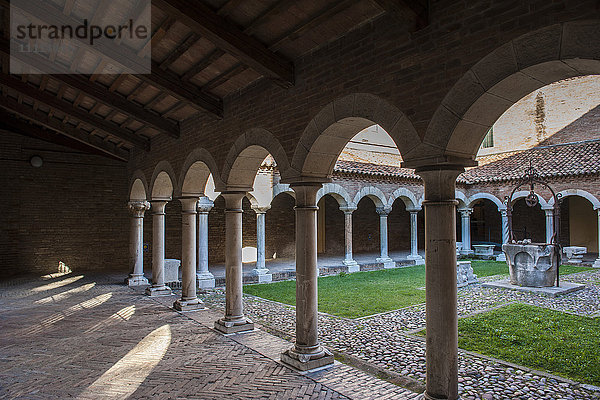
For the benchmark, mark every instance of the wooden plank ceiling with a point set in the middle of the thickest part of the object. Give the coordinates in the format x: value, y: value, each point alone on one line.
x: 200, y: 55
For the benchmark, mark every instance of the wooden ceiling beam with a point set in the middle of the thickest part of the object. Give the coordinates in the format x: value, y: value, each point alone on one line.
x: 77, y: 113
x: 179, y: 51
x: 10, y: 122
x: 97, y: 92
x: 225, y: 35
x: 122, y: 57
x: 202, y: 64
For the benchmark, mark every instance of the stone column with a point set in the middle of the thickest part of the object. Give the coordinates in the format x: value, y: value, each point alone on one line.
x: 189, y: 301
x: 504, y: 213
x: 205, y: 279
x: 549, y: 224
x: 414, y: 238
x: 348, y: 260
x: 261, y: 270
x: 306, y: 353
x: 597, y: 262
x: 440, y: 284
x: 383, y: 238
x: 158, y: 287
x: 234, y: 319
x: 466, y: 231
x: 136, y: 243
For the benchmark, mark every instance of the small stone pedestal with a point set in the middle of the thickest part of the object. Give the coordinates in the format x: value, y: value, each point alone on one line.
x: 484, y: 251
x: 242, y: 325
x: 205, y: 280
x: 137, y: 280
x: 263, y: 275
x: 352, y: 266
x: 464, y: 274
x: 387, y: 262
x: 574, y: 253
x: 307, y: 361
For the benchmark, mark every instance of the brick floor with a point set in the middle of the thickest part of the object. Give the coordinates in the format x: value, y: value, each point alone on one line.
x: 93, y: 338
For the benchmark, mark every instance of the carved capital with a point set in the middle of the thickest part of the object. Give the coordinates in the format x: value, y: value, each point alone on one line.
x: 261, y: 210
x: 138, y: 208
x: 205, y: 205
x: 383, y: 211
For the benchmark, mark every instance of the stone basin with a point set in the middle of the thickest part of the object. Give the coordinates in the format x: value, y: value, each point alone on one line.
x: 531, y: 265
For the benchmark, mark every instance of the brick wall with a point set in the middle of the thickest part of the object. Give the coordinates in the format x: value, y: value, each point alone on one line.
x: 72, y: 209
x: 280, y: 227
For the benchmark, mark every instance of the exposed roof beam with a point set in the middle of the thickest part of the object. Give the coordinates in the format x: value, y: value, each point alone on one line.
x: 397, y: 8
x: 56, y: 125
x: 202, y: 64
x: 68, y: 109
x: 179, y: 51
x: 96, y: 91
x: 202, y: 20
x: 125, y: 58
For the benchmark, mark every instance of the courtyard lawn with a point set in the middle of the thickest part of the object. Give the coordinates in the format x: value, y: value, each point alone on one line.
x: 367, y: 293
x: 538, y: 338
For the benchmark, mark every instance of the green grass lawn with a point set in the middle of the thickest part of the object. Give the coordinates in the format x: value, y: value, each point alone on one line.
x: 367, y: 293
x: 564, y: 344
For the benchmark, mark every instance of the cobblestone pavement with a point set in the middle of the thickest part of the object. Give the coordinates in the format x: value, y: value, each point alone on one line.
x: 76, y: 336
x: 385, y: 340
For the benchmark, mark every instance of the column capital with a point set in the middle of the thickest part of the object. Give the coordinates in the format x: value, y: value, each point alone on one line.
x: 233, y: 200
x: 158, y: 206
x: 348, y: 209
x: 383, y: 211
x: 138, y: 208
x: 204, y: 204
x: 440, y: 181
x: 548, y: 211
x: 261, y: 210
x: 465, y: 212
x: 188, y: 204
x: 413, y: 210
x: 306, y: 194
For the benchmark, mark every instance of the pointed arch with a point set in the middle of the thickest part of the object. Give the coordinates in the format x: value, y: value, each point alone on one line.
x: 500, y: 79
x: 195, y: 172
x: 163, y: 181
x: 138, y: 186
x: 339, y: 121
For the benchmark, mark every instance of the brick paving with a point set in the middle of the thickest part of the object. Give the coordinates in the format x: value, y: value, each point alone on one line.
x: 93, y: 338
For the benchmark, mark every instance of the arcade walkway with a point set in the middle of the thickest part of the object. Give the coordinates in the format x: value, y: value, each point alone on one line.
x: 143, y: 349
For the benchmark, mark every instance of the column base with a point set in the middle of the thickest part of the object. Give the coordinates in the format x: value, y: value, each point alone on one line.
x: 242, y: 325
x: 387, y: 262
x: 154, y: 291
x: 596, y: 263
x: 189, y: 305
x: 467, y: 252
x: 263, y: 275
x: 417, y: 259
x: 425, y: 396
x: 205, y: 281
x: 352, y: 266
x: 136, y: 280
x: 501, y: 257
x: 308, y: 361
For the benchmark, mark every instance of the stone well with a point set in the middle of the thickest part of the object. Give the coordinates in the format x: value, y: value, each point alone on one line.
x: 532, y: 265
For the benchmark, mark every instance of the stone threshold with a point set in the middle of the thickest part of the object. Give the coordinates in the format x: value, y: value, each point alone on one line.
x: 553, y: 291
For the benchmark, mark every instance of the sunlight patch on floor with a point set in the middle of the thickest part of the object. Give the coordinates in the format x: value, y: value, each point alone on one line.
x: 54, y: 318
x: 65, y: 295
x: 123, y: 378
x: 55, y: 285
x: 123, y: 314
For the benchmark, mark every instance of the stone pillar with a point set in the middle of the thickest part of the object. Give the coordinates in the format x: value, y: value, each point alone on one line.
x: 205, y: 279
x: 440, y: 284
x: 261, y: 270
x: 306, y: 353
x: 348, y: 260
x: 383, y: 238
x: 136, y: 243
x: 549, y: 225
x: 234, y: 319
x: 597, y: 262
x: 158, y: 287
x: 189, y: 301
x: 414, y: 238
x: 466, y: 231
x: 505, y: 238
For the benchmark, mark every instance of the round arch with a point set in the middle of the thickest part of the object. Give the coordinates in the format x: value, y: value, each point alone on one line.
x: 282, y: 188
x: 488, y: 196
x: 373, y: 193
x: 246, y: 156
x: 138, y: 186
x: 339, y: 121
x: 503, y: 77
x: 408, y: 197
x: 337, y: 192
x: 163, y: 181
x: 195, y: 172
x: 578, y: 192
